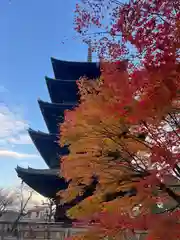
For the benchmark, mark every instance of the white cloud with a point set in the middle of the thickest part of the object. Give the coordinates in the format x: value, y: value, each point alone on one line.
x: 21, y: 139
x: 13, y: 128
x: 36, y: 199
x: 13, y: 132
x: 17, y: 155
x: 25, y: 191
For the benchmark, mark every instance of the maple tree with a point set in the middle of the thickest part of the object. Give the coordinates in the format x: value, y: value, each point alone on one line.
x: 145, y: 30
x: 125, y: 132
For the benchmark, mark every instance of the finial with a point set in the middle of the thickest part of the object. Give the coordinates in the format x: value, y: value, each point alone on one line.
x: 89, y: 58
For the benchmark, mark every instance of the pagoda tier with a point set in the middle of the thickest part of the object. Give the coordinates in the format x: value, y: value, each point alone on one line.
x: 67, y: 70
x: 47, y: 182
x: 61, y: 91
x: 47, y: 145
x: 53, y: 114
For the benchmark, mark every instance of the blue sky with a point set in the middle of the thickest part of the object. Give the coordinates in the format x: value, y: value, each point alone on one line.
x: 31, y: 32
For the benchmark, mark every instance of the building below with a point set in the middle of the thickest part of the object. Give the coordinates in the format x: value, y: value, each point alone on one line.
x: 41, y: 213
x: 31, y: 229
x: 51, y: 231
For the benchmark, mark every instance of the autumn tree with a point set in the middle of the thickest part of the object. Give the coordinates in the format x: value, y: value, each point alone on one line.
x: 146, y: 31
x: 132, y: 151
x: 125, y: 131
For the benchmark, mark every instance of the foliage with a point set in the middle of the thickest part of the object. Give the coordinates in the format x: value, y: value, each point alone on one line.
x: 144, y: 30
x: 125, y: 131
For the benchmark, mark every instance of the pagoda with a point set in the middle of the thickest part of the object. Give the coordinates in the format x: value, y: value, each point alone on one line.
x: 63, y: 93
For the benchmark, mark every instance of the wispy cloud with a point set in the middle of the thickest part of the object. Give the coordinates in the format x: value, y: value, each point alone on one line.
x: 16, y: 155
x: 21, y: 139
x: 13, y: 132
x: 35, y: 200
x: 18, y: 191
x: 13, y: 128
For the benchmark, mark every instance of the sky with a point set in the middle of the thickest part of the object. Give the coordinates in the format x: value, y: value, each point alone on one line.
x: 32, y: 31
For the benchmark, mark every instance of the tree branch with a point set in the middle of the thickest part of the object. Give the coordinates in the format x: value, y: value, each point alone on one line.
x: 170, y: 192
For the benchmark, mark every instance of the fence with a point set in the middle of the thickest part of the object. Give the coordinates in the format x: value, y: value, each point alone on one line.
x: 36, y: 230
x: 44, y: 230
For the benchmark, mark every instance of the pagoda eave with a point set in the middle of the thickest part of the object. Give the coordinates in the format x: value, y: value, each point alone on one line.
x: 61, y: 91
x: 53, y: 114
x: 46, y: 182
x: 48, y: 147
x: 69, y: 70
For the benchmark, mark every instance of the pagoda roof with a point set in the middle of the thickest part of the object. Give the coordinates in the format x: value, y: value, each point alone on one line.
x: 47, y: 182
x: 29, y: 170
x: 48, y: 147
x: 69, y: 70
x: 62, y: 91
x: 53, y: 114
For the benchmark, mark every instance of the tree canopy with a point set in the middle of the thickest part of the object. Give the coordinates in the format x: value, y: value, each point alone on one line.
x: 125, y: 131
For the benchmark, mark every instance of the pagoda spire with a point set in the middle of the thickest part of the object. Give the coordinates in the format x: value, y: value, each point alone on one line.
x: 89, y: 58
